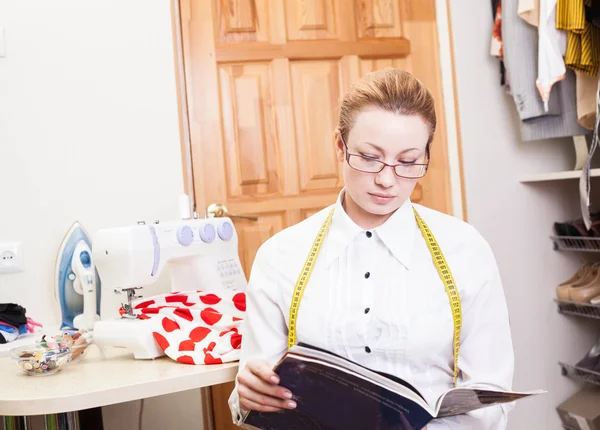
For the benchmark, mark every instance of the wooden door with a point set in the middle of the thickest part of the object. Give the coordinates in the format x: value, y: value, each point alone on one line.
x: 263, y: 81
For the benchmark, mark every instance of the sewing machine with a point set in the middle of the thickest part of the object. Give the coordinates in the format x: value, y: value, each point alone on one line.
x: 200, y: 254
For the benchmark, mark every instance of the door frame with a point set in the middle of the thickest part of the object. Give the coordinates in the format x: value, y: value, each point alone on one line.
x: 449, y: 91
x: 186, y: 159
x: 182, y: 104
x: 453, y: 135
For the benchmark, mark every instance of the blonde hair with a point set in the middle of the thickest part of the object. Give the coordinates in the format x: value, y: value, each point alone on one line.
x: 390, y: 89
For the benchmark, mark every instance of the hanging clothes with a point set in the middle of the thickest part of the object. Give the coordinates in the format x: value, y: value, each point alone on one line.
x: 592, y: 12
x: 496, y: 42
x: 551, y: 43
x: 496, y: 45
x: 583, y: 43
x: 520, y: 53
x: 586, y: 99
x: 529, y: 11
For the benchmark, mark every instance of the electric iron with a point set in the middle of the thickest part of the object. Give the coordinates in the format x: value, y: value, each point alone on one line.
x: 77, y: 284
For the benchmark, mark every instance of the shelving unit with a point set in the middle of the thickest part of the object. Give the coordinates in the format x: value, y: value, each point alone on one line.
x: 580, y: 147
x: 585, y: 310
x: 580, y: 374
x: 579, y: 309
x: 576, y: 243
x: 557, y: 176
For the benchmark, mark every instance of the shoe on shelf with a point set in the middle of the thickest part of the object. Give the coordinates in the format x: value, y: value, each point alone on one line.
x: 570, y: 229
x: 584, y: 275
x: 591, y: 361
x: 585, y: 293
x: 577, y: 228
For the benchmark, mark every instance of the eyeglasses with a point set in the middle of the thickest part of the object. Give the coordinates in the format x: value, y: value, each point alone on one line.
x: 371, y: 165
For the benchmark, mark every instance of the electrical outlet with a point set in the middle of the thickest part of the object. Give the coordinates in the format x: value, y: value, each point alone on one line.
x: 11, y: 258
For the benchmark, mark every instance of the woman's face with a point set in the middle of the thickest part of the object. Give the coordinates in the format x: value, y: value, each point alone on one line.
x: 394, y: 139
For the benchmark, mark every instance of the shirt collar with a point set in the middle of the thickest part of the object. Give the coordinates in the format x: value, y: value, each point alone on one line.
x: 397, y: 232
x: 342, y: 231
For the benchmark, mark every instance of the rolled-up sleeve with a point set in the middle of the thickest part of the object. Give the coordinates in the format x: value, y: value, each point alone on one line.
x: 486, y: 356
x: 264, y: 329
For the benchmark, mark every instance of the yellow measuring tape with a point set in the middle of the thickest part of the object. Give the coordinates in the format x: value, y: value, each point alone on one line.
x: 438, y: 259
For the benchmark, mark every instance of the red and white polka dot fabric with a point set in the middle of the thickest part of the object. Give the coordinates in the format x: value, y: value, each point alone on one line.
x: 196, y: 327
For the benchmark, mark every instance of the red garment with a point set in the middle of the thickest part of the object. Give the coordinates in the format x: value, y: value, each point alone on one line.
x: 196, y: 327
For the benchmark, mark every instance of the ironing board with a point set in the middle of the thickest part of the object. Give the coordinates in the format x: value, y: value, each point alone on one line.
x: 94, y: 382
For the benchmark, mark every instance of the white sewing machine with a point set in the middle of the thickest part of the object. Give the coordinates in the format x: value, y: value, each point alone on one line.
x: 201, y: 254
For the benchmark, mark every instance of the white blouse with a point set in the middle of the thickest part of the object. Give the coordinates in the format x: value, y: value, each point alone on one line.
x: 376, y: 298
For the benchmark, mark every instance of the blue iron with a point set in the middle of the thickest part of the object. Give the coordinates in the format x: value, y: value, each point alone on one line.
x: 77, y: 284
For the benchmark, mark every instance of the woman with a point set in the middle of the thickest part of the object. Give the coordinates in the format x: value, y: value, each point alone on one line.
x: 375, y: 295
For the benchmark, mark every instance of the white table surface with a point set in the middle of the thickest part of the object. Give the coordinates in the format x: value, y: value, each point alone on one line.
x: 22, y: 340
x: 94, y: 381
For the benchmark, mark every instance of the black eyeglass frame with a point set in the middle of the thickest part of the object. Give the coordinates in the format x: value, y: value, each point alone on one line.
x: 384, y: 164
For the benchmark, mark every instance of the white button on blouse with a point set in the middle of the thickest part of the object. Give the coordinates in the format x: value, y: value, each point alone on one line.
x: 376, y: 298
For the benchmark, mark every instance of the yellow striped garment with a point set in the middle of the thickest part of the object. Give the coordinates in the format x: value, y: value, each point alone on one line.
x: 583, y: 41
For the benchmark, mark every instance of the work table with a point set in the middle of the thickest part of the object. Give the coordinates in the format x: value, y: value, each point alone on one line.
x: 96, y: 381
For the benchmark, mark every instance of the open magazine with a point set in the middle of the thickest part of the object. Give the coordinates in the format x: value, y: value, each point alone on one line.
x: 334, y: 393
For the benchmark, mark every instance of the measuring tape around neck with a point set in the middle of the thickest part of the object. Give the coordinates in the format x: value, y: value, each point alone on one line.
x: 438, y: 260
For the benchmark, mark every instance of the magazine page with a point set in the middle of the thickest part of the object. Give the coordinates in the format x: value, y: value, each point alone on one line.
x: 462, y: 400
x: 390, y: 381
x: 330, y: 397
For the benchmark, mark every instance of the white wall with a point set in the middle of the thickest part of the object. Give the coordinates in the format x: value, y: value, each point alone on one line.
x: 88, y: 129
x: 88, y: 132
x: 517, y: 219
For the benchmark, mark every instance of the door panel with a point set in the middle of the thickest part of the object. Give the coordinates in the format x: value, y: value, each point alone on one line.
x: 378, y: 18
x: 316, y: 87
x: 249, y: 130
x: 310, y: 19
x: 264, y: 79
x: 237, y: 21
x: 252, y: 234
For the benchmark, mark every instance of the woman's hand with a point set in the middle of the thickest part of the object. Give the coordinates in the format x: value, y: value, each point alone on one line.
x: 259, y: 390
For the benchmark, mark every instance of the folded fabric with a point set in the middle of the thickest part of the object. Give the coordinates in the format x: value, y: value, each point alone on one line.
x: 8, y: 328
x: 12, y: 314
x: 7, y: 336
x: 195, y: 327
x: 29, y: 327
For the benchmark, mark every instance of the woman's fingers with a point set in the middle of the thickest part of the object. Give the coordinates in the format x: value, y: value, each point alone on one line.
x: 252, y: 382
x: 258, y: 389
x: 264, y: 371
x: 253, y: 406
x: 250, y: 395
